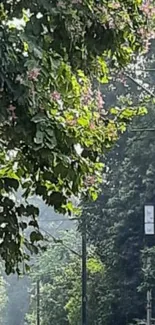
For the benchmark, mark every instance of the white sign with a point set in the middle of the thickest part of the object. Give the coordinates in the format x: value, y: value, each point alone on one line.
x: 149, y: 214
x: 149, y: 228
x: 149, y: 220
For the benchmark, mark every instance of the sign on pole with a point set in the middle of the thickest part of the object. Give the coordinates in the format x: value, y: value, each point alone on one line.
x: 149, y: 220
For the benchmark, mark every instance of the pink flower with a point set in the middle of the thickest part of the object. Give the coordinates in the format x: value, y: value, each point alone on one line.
x: 33, y: 74
x: 100, y: 101
x: 71, y: 122
x: 116, y: 5
x: 87, y: 97
x: 90, y: 180
x: 55, y: 96
x: 143, y: 32
x: 146, y: 37
x: 92, y: 126
x: 11, y: 108
x: 122, y: 79
x: 148, y: 9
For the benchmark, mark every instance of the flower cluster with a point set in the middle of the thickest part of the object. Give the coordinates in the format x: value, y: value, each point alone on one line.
x: 90, y: 180
x: 148, y: 9
x: 33, y: 74
x: 87, y: 97
x: 116, y: 5
x: 99, y: 99
x: 71, y: 122
x: 12, y: 109
x: 55, y: 96
x: 146, y: 37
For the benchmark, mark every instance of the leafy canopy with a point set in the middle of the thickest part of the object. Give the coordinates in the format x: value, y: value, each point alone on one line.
x: 53, y: 126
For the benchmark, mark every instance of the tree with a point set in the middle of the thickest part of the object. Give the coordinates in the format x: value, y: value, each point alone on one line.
x: 117, y: 290
x: 115, y: 228
x: 56, y: 269
x: 115, y: 220
x: 115, y: 225
x: 59, y: 271
x: 96, y: 279
x: 53, y: 129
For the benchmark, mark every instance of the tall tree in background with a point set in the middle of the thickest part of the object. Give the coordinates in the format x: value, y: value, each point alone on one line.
x: 52, y: 122
x: 59, y: 271
x: 3, y: 299
x: 115, y: 222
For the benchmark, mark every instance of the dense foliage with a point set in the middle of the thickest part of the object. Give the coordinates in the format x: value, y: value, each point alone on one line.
x: 59, y: 272
x: 54, y: 270
x: 115, y: 225
x: 119, y: 277
x: 117, y: 289
x: 53, y: 124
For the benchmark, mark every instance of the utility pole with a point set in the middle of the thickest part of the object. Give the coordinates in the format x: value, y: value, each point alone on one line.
x: 84, y: 272
x: 149, y: 307
x: 38, y: 302
x: 149, y: 299
x: 149, y: 229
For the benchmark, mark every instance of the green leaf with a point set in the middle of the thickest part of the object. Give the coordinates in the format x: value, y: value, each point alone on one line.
x: 38, y: 118
x: 50, y: 132
x: 35, y: 236
x: 83, y: 121
x: 32, y: 210
x: 39, y: 137
x: 23, y: 225
x: 114, y: 110
x: 11, y: 183
x: 33, y: 223
x: 8, y: 202
x: 52, y: 144
x: 94, y: 265
x: 94, y: 195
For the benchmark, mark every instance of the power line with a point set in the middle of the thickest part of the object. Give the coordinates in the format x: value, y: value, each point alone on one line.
x: 143, y: 130
x: 139, y: 85
x: 62, y: 219
x: 38, y: 302
x: 60, y: 241
x: 151, y: 94
x: 139, y: 69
